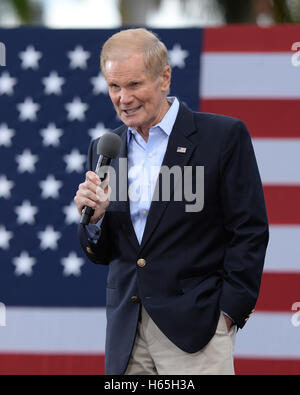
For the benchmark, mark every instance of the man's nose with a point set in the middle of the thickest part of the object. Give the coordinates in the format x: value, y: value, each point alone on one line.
x: 125, y: 97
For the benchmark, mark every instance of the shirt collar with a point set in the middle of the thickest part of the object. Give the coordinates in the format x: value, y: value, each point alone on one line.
x: 168, y: 121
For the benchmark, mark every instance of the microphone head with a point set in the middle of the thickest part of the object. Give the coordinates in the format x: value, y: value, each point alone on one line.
x: 109, y: 145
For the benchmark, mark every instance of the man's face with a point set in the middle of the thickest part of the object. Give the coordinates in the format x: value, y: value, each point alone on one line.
x: 139, y: 99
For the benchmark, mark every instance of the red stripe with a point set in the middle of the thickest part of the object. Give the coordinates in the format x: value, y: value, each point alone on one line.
x: 283, y: 204
x: 26, y: 364
x: 30, y: 364
x: 279, y: 291
x: 255, y: 366
x: 259, y: 115
x: 251, y: 38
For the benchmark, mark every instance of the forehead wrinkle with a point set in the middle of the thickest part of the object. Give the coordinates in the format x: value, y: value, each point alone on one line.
x: 125, y: 76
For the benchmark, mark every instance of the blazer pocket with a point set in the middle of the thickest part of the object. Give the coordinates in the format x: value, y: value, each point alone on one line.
x: 187, y: 284
x: 112, y: 297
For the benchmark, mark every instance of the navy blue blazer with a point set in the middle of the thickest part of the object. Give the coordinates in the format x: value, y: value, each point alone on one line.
x: 190, y: 265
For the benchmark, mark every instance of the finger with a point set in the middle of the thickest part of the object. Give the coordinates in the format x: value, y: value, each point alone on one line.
x: 78, y: 204
x: 105, y: 182
x: 106, y: 179
x: 88, y: 202
x: 93, y: 177
x: 87, y: 190
x: 87, y: 186
x: 104, y: 195
x: 85, y: 197
x: 84, y: 202
x: 108, y: 191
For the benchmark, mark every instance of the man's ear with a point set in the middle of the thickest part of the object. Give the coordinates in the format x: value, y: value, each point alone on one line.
x: 166, y: 78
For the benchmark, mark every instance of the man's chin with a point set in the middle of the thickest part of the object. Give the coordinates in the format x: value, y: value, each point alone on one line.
x: 130, y: 122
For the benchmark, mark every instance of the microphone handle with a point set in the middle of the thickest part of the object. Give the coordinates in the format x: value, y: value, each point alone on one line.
x: 101, y: 170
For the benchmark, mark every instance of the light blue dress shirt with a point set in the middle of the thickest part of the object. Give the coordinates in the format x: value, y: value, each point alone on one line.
x: 144, y: 162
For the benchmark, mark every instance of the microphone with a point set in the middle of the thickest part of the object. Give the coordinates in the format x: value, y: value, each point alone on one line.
x: 109, y: 146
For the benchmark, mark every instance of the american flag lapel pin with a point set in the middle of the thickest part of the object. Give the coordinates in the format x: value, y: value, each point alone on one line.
x: 181, y: 150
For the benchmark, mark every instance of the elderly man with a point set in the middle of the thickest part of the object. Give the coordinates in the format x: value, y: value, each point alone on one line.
x: 180, y: 281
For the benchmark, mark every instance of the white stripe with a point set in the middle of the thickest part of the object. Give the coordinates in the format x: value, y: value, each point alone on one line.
x: 54, y: 330
x: 66, y: 331
x: 278, y: 160
x: 269, y: 335
x: 283, y: 250
x: 249, y: 75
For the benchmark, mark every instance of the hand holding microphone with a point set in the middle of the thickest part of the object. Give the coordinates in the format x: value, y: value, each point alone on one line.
x: 92, y: 197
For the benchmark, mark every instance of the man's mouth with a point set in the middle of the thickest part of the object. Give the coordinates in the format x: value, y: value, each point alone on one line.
x: 131, y: 110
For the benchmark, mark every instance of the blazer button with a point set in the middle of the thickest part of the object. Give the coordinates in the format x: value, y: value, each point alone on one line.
x: 89, y: 251
x: 135, y: 299
x: 141, y: 262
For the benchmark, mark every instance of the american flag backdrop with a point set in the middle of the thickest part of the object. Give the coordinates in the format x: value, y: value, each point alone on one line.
x: 53, y: 101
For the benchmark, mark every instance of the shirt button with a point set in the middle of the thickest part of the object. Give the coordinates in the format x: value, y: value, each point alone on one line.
x: 89, y: 251
x: 141, y: 262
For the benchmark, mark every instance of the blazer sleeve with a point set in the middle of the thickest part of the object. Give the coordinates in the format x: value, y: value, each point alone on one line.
x: 100, y: 252
x: 245, y: 222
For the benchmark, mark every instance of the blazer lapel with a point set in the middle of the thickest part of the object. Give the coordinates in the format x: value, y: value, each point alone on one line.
x: 183, y: 128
